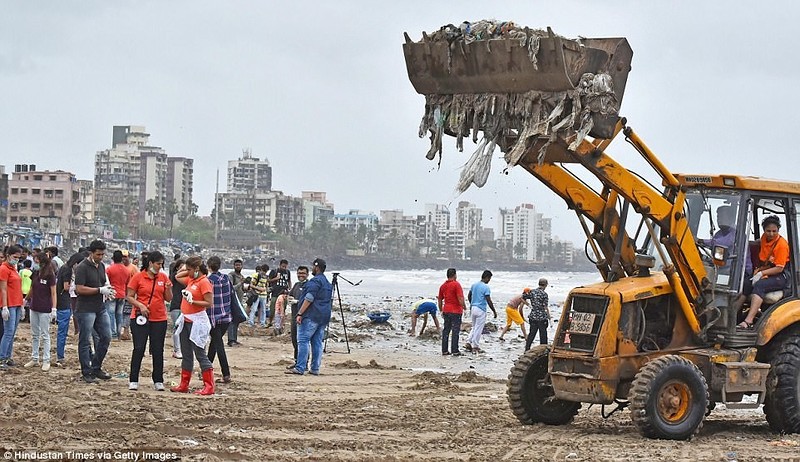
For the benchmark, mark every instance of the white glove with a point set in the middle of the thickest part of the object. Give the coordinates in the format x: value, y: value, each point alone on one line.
x: 6, y: 314
x: 757, y: 277
x: 107, y: 291
x: 53, y: 315
x: 187, y: 296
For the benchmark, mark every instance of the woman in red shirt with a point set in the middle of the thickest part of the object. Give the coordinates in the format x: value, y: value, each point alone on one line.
x: 194, y: 327
x: 147, y: 291
x: 11, y: 303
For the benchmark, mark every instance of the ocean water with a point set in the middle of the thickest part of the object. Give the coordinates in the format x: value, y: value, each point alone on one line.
x: 377, y: 284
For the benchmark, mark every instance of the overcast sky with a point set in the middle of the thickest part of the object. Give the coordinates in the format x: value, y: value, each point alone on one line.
x: 320, y: 89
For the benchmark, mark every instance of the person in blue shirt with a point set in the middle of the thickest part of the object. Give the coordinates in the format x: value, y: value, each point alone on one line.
x: 479, y: 298
x: 312, y: 319
x: 423, y: 307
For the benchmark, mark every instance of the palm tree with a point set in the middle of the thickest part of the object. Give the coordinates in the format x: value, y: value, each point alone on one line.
x: 171, y: 209
x: 151, y: 207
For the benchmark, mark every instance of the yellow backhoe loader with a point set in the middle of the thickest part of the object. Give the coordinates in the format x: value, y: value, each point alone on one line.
x: 659, y: 335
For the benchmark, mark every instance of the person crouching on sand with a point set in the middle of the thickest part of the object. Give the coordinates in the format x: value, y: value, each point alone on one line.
x: 147, y: 292
x: 194, y: 328
x: 423, y: 307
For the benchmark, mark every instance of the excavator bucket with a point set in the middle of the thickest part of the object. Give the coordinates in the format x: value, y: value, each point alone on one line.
x: 529, y: 60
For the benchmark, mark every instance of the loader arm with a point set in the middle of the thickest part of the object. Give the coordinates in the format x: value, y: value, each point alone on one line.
x: 686, y: 274
x: 589, y: 204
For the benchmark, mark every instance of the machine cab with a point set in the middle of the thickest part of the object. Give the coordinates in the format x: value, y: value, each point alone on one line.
x: 726, y: 223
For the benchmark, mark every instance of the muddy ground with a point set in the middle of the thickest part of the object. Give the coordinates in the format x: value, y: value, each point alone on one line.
x: 366, y: 405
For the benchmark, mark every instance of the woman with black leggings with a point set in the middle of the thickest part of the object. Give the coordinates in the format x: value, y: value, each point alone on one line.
x: 219, y: 313
x: 147, y: 293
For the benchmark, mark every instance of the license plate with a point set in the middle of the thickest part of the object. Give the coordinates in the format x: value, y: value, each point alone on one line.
x: 582, y: 323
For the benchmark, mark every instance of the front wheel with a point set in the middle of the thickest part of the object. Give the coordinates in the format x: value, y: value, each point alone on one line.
x: 531, y: 396
x: 669, y: 398
x: 782, y: 404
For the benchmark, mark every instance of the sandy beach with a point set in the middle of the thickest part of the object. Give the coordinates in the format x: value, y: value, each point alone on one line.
x: 369, y: 404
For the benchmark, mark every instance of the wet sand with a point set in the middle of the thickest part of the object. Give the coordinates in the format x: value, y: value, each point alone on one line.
x: 375, y: 403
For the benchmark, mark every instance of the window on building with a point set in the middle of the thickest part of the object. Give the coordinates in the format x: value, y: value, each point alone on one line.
x: 36, y: 191
x: 26, y: 178
x: 36, y: 206
x: 23, y: 190
x: 59, y: 206
x: 37, y: 177
x: 13, y: 219
x: 52, y: 178
x: 48, y: 193
x: 14, y: 190
x: 23, y: 205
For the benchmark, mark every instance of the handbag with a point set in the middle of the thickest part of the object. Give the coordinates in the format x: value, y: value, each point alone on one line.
x: 237, y: 311
x: 251, y: 298
x: 141, y: 319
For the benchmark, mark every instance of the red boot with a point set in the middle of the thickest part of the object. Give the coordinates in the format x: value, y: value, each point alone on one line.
x: 186, y: 376
x: 208, y: 383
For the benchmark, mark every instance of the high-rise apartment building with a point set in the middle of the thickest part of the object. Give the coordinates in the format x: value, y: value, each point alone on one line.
x: 138, y: 179
x: 469, y: 219
x: 505, y: 228
x: 248, y: 174
x: 530, y: 233
x: 180, y: 182
x: 439, y: 215
x: 251, y: 204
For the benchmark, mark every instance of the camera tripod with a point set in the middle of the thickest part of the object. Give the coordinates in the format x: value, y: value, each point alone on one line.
x: 335, y: 285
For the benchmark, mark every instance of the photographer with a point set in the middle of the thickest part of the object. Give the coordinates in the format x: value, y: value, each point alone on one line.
x: 279, y: 279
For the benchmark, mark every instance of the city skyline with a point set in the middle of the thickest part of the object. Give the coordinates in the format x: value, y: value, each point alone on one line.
x: 454, y: 220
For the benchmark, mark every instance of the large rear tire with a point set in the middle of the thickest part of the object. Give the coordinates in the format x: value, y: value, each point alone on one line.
x: 531, y: 397
x: 669, y: 398
x: 782, y: 403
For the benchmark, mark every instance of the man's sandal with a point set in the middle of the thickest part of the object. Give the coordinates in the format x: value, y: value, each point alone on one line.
x: 745, y: 325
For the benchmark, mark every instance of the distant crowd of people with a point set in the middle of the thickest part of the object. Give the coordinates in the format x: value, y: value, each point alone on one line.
x: 136, y: 298
x: 451, y: 303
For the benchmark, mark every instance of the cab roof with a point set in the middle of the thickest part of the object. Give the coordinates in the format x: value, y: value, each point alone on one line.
x: 739, y: 182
